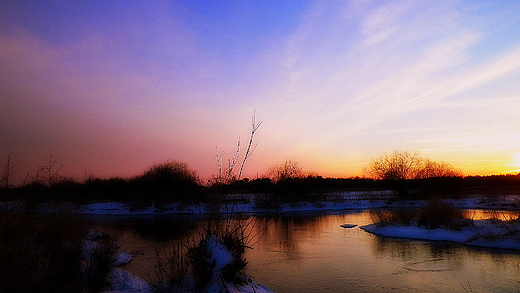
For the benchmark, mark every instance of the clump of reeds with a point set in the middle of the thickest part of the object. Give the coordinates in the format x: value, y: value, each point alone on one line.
x: 393, y: 217
x: 435, y: 214
x: 171, y: 271
x: 99, y: 255
x: 236, y: 233
x: 189, y: 265
x: 44, y: 251
x: 40, y: 252
x: 438, y: 213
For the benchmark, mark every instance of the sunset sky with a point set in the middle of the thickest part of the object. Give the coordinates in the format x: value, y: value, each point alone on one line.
x: 109, y: 88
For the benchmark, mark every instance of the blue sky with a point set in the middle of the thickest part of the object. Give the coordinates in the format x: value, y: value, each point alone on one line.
x: 112, y: 87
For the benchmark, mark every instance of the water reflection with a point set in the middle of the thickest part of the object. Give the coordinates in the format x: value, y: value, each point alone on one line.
x: 316, y: 255
x: 492, y: 214
x: 312, y: 253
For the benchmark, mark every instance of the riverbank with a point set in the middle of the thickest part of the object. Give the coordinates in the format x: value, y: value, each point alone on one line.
x: 241, y: 203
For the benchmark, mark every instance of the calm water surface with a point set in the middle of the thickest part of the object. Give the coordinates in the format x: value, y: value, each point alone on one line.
x: 312, y: 253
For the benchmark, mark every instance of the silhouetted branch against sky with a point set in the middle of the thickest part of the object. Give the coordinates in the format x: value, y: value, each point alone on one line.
x: 249, y: 150
x: 50, y: 172
x: 10, y: 169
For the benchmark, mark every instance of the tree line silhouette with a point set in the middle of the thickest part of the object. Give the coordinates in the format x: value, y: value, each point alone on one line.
x: 406, y: 174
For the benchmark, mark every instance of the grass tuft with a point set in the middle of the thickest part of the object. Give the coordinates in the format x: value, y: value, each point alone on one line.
x: 189, y: 266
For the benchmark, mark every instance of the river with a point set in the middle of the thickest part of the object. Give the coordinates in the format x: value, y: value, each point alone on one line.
x: 310, y: 252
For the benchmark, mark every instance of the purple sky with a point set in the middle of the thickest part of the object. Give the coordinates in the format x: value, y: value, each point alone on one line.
x: 109, y: 88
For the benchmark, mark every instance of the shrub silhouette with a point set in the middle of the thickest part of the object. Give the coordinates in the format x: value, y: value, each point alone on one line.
x: 169, y: 181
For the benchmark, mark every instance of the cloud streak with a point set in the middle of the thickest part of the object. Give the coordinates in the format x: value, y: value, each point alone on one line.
x: 393, y: 62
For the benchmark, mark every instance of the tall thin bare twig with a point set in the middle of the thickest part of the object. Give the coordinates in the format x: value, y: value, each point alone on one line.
x: 9, y: 170
x: 219, y: 163
x: 249, y: 151
x: 50, y: 172
x: 232, y: 163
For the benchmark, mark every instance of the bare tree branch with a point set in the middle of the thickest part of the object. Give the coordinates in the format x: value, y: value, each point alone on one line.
x: 219, y: 164
x: 249, y: 151
x: 232, y: 163
x: 227, y: 175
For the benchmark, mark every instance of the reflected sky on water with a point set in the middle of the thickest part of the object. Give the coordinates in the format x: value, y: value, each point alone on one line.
x: 310, y: 252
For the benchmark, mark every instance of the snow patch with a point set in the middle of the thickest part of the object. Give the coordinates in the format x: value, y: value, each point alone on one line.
x: 125, y: 282
x: 483, y: 233
x: 122, y: 258
x: 420, y: 233
x: 220, y: 255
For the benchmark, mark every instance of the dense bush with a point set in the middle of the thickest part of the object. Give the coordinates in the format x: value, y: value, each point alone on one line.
x: 440, y: 187
x: 170, y: 181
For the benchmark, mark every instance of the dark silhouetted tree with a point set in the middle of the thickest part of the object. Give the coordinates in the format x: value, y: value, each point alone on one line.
x: 399, y: 167
x: 430, y: 169
x: 287, y: 170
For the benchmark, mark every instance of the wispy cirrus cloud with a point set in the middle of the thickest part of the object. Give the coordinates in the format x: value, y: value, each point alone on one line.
x: 361, y: 67
x: 339, y: 71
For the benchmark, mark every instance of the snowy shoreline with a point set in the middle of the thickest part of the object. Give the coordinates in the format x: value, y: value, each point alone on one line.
x: 246, y: 203
x: 346, y: 201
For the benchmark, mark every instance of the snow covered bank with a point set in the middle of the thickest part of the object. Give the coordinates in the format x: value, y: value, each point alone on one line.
x: 482, y: 233
x: 343, y: 201
x: 120, y: 208
x: 245, y: 203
